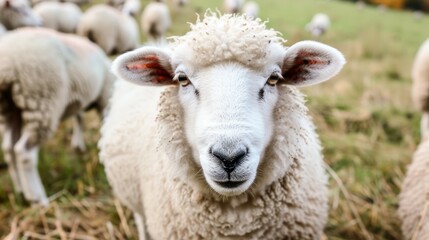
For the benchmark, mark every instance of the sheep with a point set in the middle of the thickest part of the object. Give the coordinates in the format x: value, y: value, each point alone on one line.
x: 251, y: 9
x: 17, y: 13
x: 232, y: 6
x: 223, y: 147
x: 112, y: 30
x: 63, y: 17
x: 319, y: 24
x: 45, y: 76
x: 179, y: 4
x: 131, y: 7
x: 155, y: 21
x: 420, y: 86
x: 413, y: 199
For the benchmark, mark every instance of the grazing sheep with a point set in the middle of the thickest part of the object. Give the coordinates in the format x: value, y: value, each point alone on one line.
x: 414, y: 197
x: 112, y: 30
x: 63, y: 17
x: 155, y: 21
x: 251, y: 9
x: 232, y: 6
x: 45, y: 76
x: 319, y: 24
x: 223, y: 147
x: 17, y: 13
x: 420, y: 87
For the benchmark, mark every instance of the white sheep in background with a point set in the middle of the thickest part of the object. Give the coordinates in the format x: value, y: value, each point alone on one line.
x: 420, y: 86
x: 413, y: 199
x: 132, y: 7
x: 155, y: 21
x: 77, y: 2
x: 45, y: 76
x: 219, y: 144
x: 112, y: 30
x: 18, y: 13
x: 232, y: 6
x: 63, y: 17
x: 319, y: 24
x: 179, y: 4
x: 251, y: 9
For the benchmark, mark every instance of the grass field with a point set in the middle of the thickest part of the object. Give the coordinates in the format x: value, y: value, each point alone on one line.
x: 367, y: 124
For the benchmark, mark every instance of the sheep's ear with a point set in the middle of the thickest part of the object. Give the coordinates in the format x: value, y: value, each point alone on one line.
x: 148, y: 66
x: 308, y: 62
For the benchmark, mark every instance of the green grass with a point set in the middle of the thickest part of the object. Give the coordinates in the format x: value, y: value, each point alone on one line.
x: 365, y: 118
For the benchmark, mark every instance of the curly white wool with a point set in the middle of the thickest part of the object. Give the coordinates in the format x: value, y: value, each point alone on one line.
x: 214, y: 39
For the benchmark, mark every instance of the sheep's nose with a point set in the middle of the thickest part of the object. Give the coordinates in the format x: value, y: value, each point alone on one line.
x: 229, y: 160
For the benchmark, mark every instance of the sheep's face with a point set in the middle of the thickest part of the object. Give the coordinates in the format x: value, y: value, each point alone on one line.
x: 228, y: 107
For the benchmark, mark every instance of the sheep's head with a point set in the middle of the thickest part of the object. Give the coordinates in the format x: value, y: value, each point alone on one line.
x: 18, y: 13
x: 228, y: 92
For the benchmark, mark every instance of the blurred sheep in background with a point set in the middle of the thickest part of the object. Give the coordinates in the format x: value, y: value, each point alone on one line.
x: 319, y: 24
x: 60, y: 76
x: 63, y: 17
x: 77, y: 2
x: 18, y: 13
x: 114, y: 31
x: 155, y: 21
x: 132, y: 7
x: 232, y: 6
x: 251, y: 9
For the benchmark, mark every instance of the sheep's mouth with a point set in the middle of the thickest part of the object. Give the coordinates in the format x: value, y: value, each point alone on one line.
x: 230, y: 184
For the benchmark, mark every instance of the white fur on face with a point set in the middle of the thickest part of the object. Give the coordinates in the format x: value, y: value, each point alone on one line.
x: 228, y: 108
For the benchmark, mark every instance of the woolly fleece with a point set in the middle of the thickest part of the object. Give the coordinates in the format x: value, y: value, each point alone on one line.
x: 78, y: 76
x: 149, y: 163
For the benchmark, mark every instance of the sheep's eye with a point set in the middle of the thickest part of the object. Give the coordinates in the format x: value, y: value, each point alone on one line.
x: 182, y: 79
x: 274, y: 78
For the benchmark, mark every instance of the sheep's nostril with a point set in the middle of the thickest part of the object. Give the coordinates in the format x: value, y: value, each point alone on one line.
x: 229, y: 161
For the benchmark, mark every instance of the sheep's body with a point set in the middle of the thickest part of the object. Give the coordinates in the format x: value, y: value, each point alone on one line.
x: 160, y: 145
x: 232, y: 6
x: 112, y: 30
x: 413, y: 199
x: 319, y: 24
x: 60, y: 76
x: 155, y: 21
x: 18, y: 13
x: 63, y: 17
x: 251, y: 9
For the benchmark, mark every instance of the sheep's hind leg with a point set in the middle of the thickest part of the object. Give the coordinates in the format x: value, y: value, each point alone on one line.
x: 9, y: 157
x: 27, y: 157
x: 78, y: 141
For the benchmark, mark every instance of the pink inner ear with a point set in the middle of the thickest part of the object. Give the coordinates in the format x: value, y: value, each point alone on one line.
x: 302, y: 65
x: 150, y: 63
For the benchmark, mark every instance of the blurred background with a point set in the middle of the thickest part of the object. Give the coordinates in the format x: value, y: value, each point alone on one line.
x: 366, y: 120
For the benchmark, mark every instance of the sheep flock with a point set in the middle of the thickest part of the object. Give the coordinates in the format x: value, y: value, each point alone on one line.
x: 203, y: 134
